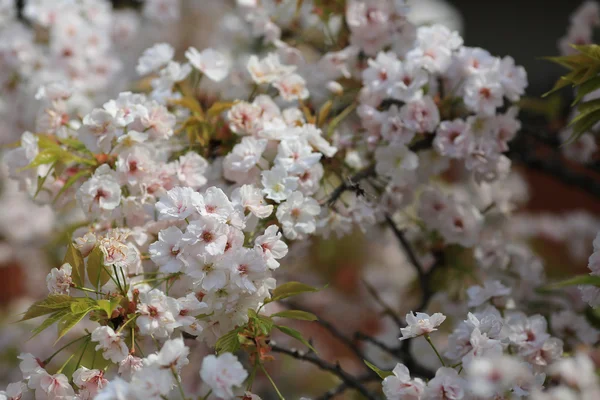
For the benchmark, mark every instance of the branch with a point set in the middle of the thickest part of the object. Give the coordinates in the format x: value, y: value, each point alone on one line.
x: 388, y: 310
x: 412, y: 257
x: 342, y: 387
x: 555, y: 168
x: 351, y: 381
x: 333, y: 331
x: 368, y: 172
x: 348, y: 185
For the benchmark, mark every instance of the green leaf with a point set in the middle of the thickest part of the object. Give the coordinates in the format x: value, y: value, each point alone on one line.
x: 589, y: 106
x: 55, y: 317
x: 229, y: 342
x: 96, y: 270
x: 83, y: 305
x: 68, y: 322
x: 74, y: 257
x: 586, y: 88
x: 296, y: 335
x: 290, y: 289
x: 48, y: 305
x: 578, y: 280
x: 218, y: 107
x: 582, y: 125
x: 73, y: 143
x: 48, y: 156
x: 108, y: 306
x: 265, y: 324
x: 382, y: 374
x: 296, y: 314
x: 590, y: 50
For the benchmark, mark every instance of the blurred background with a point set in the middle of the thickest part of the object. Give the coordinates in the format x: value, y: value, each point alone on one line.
x: 525, y: 29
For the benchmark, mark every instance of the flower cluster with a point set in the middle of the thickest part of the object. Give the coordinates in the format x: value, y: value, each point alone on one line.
x: 181, y: 188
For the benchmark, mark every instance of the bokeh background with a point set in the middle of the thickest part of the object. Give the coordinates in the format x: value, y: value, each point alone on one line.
x: 525, y: 29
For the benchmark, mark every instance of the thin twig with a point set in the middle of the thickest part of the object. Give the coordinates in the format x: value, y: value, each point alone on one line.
x: 333, y: 331
x: 336, y: 369
x: 388, y: 310
x: 410, y: 253
x: 342, y: 387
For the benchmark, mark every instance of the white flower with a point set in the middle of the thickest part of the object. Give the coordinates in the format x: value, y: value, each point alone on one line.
x: 191, y: 170
x: 401, y: 387
x: 29, y: 365
x: 51, y: 386
x: 491, y: 290
x: 178, y: 203
x: 278, y: 186
x: 446, y: 385
x: 489, y: 376
x: 99, y: 129
x: 209, y: 233
x: 129, y: 366
x: 420, y: 114
x: 315, y: 138
x: 89, y: 381
x: 207, y: 272
x: 513, y: 79
x: 111, y: 343
x: 189, y: 308
x: 434, y: 47
x: 173, y: 353
x: 210, y: 62
x: 573, y: 328
x: 14, y: 391
x: 173, y: 72
x: 167, y: 251
x: 461, y: 224
x: 59, y: 280
x: 101, y: 193
x: 223, y: 374
x: 453, y: 139
x: 296, y: 156
x: 157, y: 121
x: 164, y: 11
x: 267, y: 70
x: 271, y: 245
x: 241, y: 162
x: 154, y: 58
x: 484, y: 93
x: 396, y: 161
x: 297, y: 216
x: 117, y: 389
x: 421, y: 324
x: 157, y: 314
x: 151, y: 382
x: 291, y: 87
x: 215, y: 203
x: 247, y: 268
x: 250, y: 199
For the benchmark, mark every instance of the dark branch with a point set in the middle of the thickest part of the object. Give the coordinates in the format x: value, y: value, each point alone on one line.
x: 351, y: 381
x: 388, y: 310
x: 347, y: 185
x: 334, y: 332
x: 342, y: 387
x: 410, y: 253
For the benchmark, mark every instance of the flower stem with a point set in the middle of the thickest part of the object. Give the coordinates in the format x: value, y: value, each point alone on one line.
x: 271, y: 380
x: 47, y: 360
x: 127, y: 322
x: 176, y: 377
x: 207, y: 395
x: 434, y: 349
